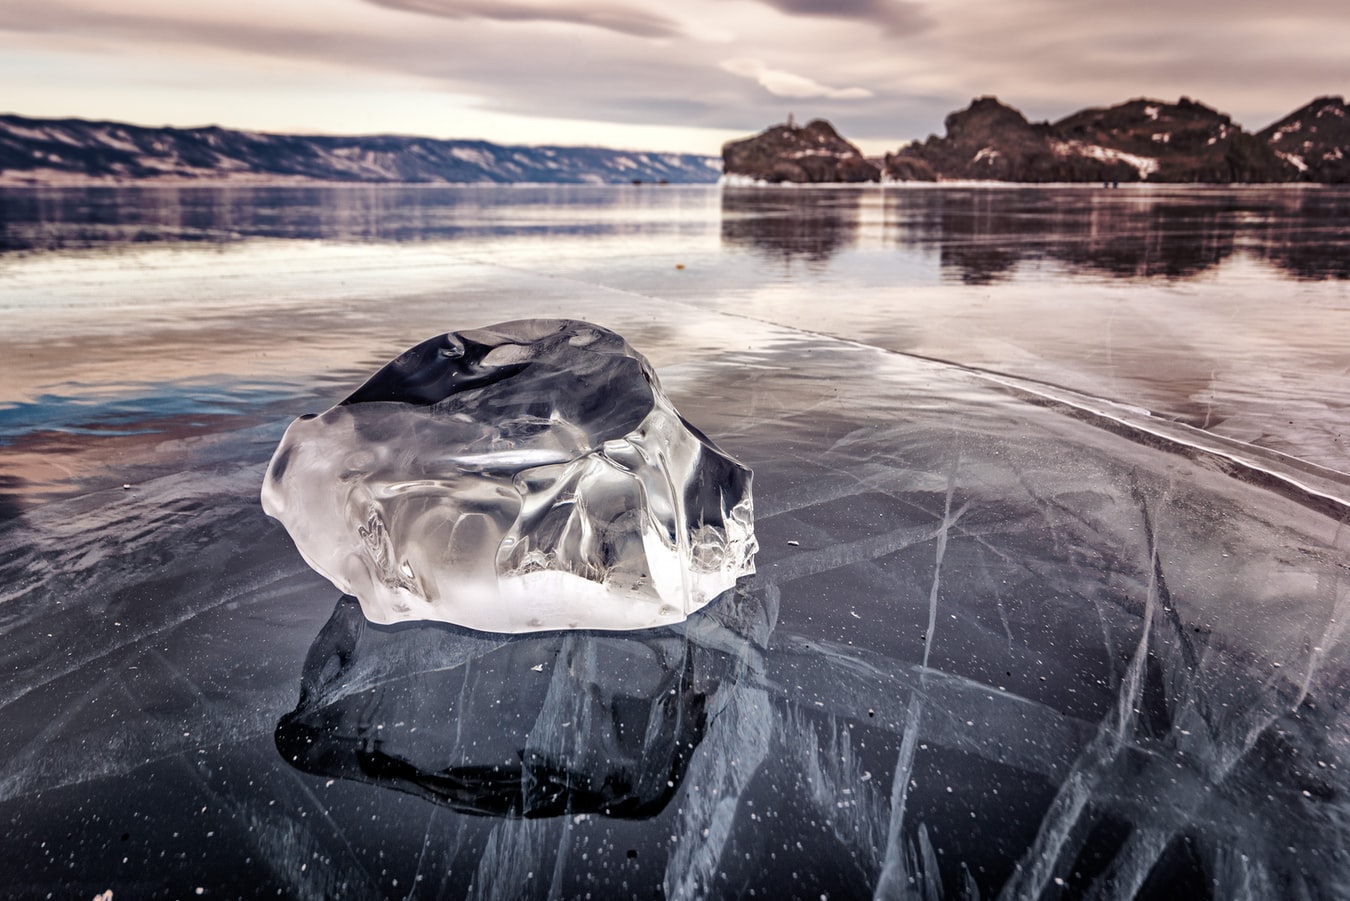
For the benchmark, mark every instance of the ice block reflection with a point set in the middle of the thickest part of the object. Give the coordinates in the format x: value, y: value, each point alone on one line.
x: 533, y: 726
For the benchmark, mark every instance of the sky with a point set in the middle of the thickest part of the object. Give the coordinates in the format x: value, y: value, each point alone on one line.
x: 641, y: 75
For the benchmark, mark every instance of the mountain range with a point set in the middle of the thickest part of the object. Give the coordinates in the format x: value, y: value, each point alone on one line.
x: 1139, y: 140
x: 54, y: 151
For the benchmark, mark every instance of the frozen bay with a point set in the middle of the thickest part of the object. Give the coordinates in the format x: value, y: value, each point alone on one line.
x: 1051, y: 593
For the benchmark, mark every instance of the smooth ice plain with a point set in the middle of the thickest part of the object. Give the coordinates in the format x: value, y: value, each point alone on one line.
x: 1009, y: 636
x: 527, y: 476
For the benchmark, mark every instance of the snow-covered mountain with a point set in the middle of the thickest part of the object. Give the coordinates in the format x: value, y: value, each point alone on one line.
x: 47, y: 151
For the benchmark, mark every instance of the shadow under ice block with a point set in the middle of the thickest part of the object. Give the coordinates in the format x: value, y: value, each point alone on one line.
x: 526, y: 476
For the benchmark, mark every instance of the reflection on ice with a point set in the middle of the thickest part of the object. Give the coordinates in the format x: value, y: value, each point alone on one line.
x: 1007, y: 656
x: 984, y: 233
x: 1004, y: 640
x: 599, y: 723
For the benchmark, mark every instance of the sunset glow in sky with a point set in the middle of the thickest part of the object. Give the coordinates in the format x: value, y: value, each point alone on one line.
x: 647, y: 75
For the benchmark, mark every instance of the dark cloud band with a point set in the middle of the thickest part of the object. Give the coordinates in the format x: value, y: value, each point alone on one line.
x: 623, y: 20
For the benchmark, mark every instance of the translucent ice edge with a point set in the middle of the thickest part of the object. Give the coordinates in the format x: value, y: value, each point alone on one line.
x: 523, y: 477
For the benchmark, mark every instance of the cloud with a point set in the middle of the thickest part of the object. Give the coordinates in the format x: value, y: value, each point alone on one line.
x: 892, y: 15
x: 617, y: 18
x: 643, y: 64
x: 787, y: 84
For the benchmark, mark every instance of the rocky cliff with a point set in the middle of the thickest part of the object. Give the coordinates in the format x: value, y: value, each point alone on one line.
x: 44, y: 151
x: 810, y: 154
x: 1140, y: 140
x: 1315, y: 140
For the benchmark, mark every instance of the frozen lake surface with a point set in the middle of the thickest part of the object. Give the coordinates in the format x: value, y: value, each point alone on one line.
x: 1051, y: 597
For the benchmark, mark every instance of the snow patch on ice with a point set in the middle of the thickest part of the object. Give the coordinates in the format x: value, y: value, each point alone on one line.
x: 730, y: 180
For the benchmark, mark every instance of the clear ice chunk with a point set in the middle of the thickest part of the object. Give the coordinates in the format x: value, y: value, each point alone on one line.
x: 526, y: 476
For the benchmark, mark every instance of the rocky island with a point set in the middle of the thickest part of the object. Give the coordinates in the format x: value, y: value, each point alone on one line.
x: 1140, y: 140
x: 810, y: 154
x: 1315, y: 140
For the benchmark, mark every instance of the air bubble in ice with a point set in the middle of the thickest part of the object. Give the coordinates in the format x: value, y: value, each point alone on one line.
x: 526, y: 476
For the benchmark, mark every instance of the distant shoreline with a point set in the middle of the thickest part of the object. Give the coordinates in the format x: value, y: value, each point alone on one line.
x: 49, y: 152
x: 78, y: 182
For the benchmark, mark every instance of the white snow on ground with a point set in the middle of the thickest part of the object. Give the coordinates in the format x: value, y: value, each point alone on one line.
x: 1333, y: 154
x: 1162, y: 137
x: 164, y: 165
x: 470, y: 155
x: 1151, y: 112
x: 48, y: 134
x: 116, y: 141
x: 812, y: 152
x: 1145, y: 165
x: 986, y: 153
x: 1287, y: 130
x: 1294, y: 160
x: 21, y: 131
x: 347, y: 159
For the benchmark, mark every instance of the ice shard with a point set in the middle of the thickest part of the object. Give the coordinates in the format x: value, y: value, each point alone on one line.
x: 526, y: 476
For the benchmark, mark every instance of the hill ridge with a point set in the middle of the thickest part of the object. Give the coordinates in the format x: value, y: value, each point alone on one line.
x: 1142, y: 139
x: 45, y: 151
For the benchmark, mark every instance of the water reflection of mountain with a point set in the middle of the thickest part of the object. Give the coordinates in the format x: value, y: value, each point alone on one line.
x: 75, y: 218
x: 982, y: 234
x: 784, y: 224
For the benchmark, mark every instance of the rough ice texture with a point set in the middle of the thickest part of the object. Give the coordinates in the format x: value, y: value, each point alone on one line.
x: 527, y: 476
